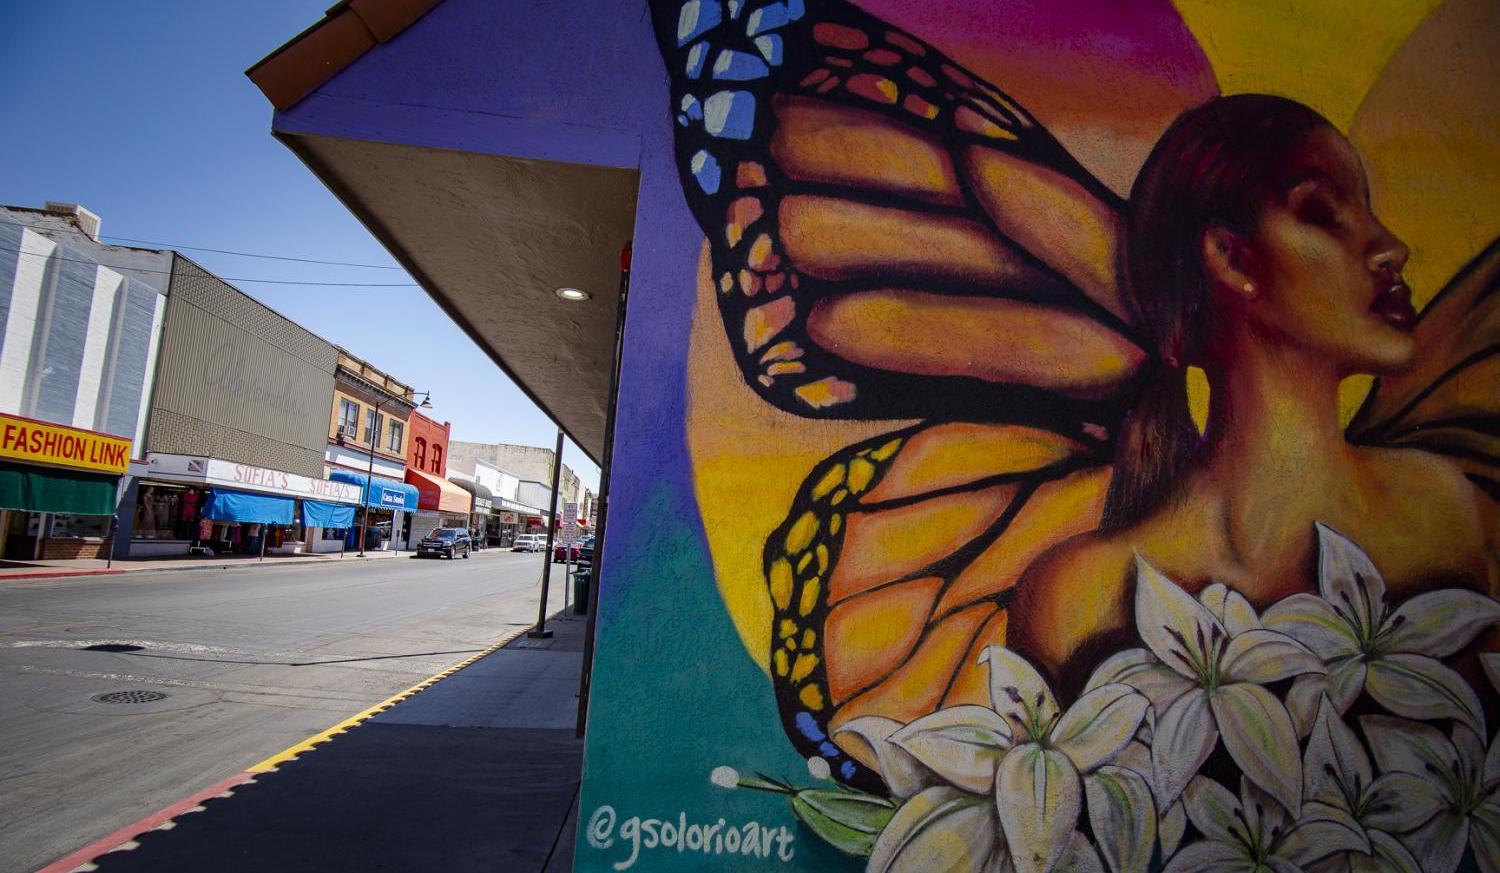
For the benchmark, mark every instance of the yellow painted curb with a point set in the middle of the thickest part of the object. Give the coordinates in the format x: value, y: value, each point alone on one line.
x: 291, y: 752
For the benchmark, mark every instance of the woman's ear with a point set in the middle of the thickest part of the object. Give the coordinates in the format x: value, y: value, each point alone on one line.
x: 1227, y: 263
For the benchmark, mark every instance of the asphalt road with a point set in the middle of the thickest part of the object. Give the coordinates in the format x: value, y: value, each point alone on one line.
x: 253, y: 660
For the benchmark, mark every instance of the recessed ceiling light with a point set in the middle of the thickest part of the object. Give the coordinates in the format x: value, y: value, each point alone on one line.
x: 572, y: 294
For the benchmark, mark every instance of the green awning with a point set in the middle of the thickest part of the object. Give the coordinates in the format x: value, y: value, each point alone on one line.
x: 50, y: 489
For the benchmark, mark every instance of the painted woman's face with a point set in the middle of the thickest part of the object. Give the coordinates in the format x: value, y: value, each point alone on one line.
x: 1329, y: 272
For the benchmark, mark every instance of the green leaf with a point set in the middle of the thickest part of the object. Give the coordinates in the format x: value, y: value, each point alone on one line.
x: 850, y: 821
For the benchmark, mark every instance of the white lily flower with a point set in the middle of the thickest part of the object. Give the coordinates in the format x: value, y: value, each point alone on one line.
x: 1252, y: 832
x: 903, y: 775
x: 1454, y: 776
x: 1216, y: 692
x: 1339, y: 775
x: 1039, y: 784
x: 1368, y: 647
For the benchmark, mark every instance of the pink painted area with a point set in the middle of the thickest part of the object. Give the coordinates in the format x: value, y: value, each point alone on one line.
x: 1105, y: 77
x: 56, y: 574
x: 151, y: 822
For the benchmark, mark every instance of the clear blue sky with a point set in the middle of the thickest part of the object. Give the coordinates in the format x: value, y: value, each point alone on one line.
x: 141, y: 111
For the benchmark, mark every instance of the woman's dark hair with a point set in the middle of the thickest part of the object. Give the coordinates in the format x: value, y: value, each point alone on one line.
x: 1217, y: 165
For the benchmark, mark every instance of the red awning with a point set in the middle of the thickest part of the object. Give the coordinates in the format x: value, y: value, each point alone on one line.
x: 438, y: 494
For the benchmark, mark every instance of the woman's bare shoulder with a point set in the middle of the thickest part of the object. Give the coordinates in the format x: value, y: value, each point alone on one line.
x: 1075, y: 592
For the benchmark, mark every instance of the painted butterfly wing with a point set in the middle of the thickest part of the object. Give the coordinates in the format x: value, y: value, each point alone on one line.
x: 894, y: 569
x: 1446, y: 402
x: 890, y: 236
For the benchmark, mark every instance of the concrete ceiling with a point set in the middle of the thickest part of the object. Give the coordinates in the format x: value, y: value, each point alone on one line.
x: 491, y: 239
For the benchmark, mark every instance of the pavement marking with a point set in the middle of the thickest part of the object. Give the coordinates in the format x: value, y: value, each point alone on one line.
x: 292, y: 752
x: 160, y: 820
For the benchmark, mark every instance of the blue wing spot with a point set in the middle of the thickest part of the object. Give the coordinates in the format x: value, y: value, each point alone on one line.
x: 809, y: 727
x: 706, y: 170
x: 770, y: 48
x: 739, y: 66
x: 691, y: 107
x: 695, y: 58
x: 829, y: 749
x: 729, y: 114
x: 773, y: 16
x: 696, y: 18
x: 847, y: 770
x: 682, y: 121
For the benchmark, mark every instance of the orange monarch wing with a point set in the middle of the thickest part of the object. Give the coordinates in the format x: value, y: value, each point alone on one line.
x: 1448, y: 402
x: 894, y: 569
x: 891, y: 237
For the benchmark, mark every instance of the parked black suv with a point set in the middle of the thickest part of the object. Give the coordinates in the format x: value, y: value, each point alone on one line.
x: 445, y: 541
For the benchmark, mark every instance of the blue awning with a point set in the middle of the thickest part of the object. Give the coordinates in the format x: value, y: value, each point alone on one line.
x: 226, y: 505
x: 383, y: 493
x: 316, y: 513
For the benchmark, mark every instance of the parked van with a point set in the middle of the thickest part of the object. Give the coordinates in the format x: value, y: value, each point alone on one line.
x: 529, y: 543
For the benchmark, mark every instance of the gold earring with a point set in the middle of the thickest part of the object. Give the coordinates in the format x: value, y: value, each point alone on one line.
x: 1249, y: 288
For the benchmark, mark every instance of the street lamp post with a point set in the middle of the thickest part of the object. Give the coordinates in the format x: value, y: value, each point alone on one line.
x: 364, y: 519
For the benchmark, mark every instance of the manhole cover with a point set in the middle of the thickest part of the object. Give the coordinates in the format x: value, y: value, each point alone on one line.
x: 132, y: 696
x: 112, y: 647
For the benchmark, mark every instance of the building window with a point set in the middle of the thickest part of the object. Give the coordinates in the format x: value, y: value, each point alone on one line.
x: 348, y: 419
x: 374, y: 426
x: 396, y: 432
x: 421, y: 453
x: 437, y: 458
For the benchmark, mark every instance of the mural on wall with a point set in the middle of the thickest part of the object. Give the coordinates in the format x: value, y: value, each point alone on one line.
x: 1101, y: 495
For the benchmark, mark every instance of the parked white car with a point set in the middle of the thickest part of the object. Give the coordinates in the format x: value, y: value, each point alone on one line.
x: 529, y: 543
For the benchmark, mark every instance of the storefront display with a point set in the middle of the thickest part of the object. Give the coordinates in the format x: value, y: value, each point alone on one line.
x: 387, y: 503
x: 237, y: 509
x: 48, y: 469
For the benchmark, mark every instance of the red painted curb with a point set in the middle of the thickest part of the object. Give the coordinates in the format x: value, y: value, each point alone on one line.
x: 151, y: 822
x: 58, y: 574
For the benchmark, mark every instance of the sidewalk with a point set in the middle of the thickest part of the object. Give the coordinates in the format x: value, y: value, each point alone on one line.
x: 478, y: 771
x: 10, y: 569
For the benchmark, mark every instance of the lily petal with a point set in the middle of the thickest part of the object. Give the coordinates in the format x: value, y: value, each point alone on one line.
x: 1081, y: 857
x: 1259, y: 736
x: 940, y: 829
x: 1334, y: 759
x: 1405, y: 746
x: 1440, y: 843
x: 1099, y: 725
x: 1265, y: 656
x: 1213, y: 810
x: 1492, y: 765
x: 1039, y: 795
x: 1303, y: 699
x: 1439, y: 623
x: 1484, y: 834
x: 1310, y: 620
x: 1230, y: 607
x: 1491, y: 662
x: 1141, y: 670
x: 1209, y: 857
x: 962, y: 744
x: 1346, y: 679
x: 1123, y: 817
x: 1387, y: 855
x: 1016, y: 688
x: 1171, y: 621
x: 903, y: 775
x: 1470, y: 754
x: 1171, y: 827
x: 1399, y: 802
x: 1420, y: 687
x: 1185, y: 735
x: 1322, y: 830
x: 1348, y: 580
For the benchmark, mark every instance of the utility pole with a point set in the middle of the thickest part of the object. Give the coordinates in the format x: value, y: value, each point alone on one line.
x: 540, y: 632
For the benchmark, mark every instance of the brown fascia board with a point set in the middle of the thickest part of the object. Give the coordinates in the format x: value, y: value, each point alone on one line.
x: 348, y: 30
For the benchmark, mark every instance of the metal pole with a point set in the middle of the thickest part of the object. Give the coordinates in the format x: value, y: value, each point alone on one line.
x: 585, y: 680
x: 541, y: 631
x: 265, y: 531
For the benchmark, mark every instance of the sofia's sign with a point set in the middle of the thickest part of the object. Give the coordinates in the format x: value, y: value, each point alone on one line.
x: 213, y: 471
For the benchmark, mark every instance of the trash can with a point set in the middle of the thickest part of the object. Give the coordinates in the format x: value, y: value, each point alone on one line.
x: 581, y: 590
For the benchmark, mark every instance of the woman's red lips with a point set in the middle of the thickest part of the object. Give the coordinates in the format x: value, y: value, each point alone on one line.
x: 1393, y: 304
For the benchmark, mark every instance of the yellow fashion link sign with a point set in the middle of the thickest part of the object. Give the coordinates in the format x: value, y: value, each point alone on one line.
x: 23, y: 439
